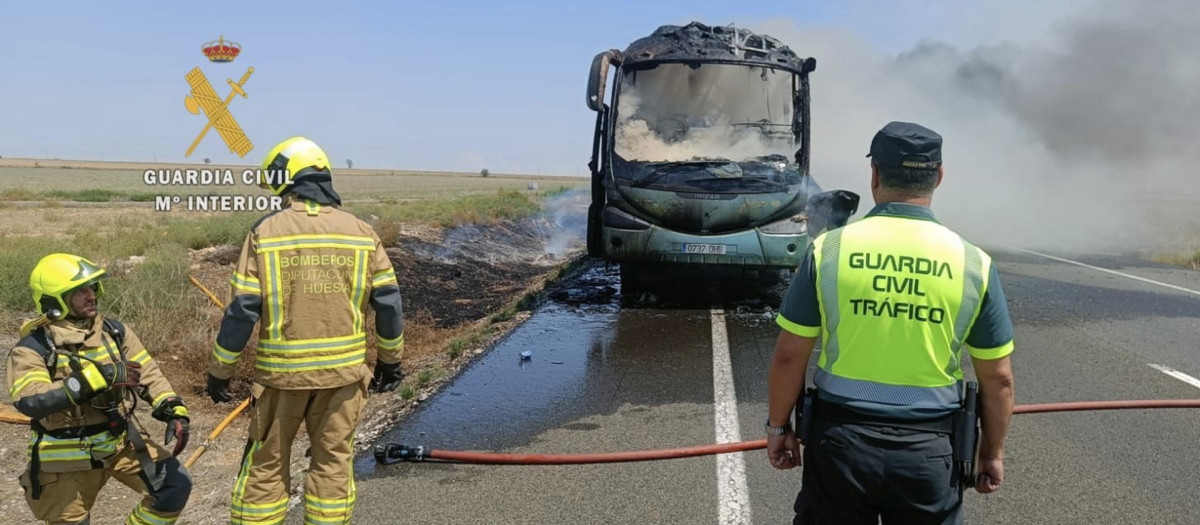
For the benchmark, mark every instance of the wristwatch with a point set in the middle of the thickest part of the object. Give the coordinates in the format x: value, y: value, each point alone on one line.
x: 778, y: 431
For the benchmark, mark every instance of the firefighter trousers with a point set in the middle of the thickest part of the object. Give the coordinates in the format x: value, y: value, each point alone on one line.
x: 67, y: 497
x: 260, y: 493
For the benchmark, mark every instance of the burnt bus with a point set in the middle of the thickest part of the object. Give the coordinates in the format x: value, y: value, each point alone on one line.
x: 701, y: 155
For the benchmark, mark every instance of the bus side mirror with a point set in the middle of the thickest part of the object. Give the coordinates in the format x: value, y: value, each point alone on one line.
x: 830, y: 210
x: 598, y: 78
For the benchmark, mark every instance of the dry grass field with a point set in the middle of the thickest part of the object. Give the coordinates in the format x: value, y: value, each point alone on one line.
x: 94, y: 181
x: 93, y: 209
x: 104, y: 211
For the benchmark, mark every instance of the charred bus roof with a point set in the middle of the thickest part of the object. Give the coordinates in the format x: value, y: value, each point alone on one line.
x: 699, y: 43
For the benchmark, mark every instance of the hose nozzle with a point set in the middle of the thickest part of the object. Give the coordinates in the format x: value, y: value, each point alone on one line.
x: 392, y: 453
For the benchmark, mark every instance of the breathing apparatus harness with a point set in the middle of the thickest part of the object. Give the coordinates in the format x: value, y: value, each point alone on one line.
x: 109, y: 402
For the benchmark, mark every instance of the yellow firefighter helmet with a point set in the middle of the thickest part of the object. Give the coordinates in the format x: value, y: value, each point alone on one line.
x: 57, y: 275
x: 299, y: 156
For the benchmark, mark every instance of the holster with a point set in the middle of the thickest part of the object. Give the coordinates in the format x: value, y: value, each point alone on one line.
x: 965, y: 438
x: 805, y: 414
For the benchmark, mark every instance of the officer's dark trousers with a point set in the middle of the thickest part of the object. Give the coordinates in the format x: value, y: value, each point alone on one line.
x: 857, y: 474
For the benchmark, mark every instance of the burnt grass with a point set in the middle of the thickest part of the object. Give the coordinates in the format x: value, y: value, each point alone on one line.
x: 473, y: 270
x: 459, y: 291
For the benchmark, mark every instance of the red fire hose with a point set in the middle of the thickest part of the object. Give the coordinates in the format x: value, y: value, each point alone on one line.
x: 395, y: 453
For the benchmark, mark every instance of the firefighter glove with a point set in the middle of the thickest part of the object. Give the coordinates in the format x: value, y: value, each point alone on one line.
x: 387, y: 377
x: 175, y: 415
x: 218, y: 389
x: 125, y: 373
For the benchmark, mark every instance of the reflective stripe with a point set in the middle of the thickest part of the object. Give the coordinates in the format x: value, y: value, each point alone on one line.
x: 94, y: 377
x: 391, y: 344
x: 270, y: 364
x: 300, y: 345
x: 36, y: 376
x: 239, y: 486
x: 797, y: 329
x: 99, y: 353
x: 225, y: 357
x: 259, y: 521
x: 103, y: 354
x: 54, y: 450
x: 243, y: 512
x: 324, y: 511
x: 861, y: 389
x: 328, y: 504
x: 382, y: 278
x: 991, y: 353
x: 360, y: 281
x: 261, y: 509
x: 275, y: 244
x: 161, y: 397
x: 275, y: 302
x: 141, y: 358
x: 245, y: 283
x: 316, y: 236
x: 827, y: 286
x: 64, y: 456
x: 144, y: 516
x: 971, y: 297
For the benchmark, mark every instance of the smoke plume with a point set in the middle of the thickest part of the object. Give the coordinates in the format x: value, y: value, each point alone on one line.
x: 1084, y: 139
x: 566, y: 215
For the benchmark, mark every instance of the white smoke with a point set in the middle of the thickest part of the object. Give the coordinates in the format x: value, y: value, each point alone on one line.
x: 677, y: 113
x: 566, y: 214
x: 1082, y: 140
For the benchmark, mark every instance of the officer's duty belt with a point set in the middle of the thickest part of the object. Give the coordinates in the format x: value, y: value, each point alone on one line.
x: 826, y: 411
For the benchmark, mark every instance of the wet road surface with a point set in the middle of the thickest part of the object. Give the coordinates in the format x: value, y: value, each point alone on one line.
x: 607, y: 378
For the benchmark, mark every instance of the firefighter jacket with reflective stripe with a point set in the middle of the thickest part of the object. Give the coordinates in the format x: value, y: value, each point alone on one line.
x: 29, y: 379
x: 899, y: 294
x: 306, y: 275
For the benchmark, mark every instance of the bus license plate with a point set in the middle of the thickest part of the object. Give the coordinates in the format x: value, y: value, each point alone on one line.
x: 716, y: 249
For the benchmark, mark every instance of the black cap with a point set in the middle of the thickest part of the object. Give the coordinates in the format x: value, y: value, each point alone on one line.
x: 906, y: 145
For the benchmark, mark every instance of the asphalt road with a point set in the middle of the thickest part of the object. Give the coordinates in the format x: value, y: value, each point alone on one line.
x: 605, y: 378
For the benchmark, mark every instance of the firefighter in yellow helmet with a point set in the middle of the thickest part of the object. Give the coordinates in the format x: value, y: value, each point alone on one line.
x: 306, y: 276
x: 76, y: 373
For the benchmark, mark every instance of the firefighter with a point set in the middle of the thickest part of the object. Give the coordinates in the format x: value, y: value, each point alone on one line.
x: 896, y: 299
x: 75, y: 374
x: 306, y: 276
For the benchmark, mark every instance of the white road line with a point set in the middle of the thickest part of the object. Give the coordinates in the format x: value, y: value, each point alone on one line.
x: 1176, y: 374
x: 733, y: 496
x: 1106, y: 270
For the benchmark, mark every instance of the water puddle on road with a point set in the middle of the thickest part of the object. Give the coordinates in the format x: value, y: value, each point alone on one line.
x: 503, y: 400
x: 588, y: 355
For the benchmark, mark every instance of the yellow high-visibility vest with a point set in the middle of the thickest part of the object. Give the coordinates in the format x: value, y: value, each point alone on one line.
x: 898, y: 296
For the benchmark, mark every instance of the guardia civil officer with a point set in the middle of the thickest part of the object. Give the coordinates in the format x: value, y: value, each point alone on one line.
x: 894, y: 298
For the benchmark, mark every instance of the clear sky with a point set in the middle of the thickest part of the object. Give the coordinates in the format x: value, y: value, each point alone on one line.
x: 443, y: 85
